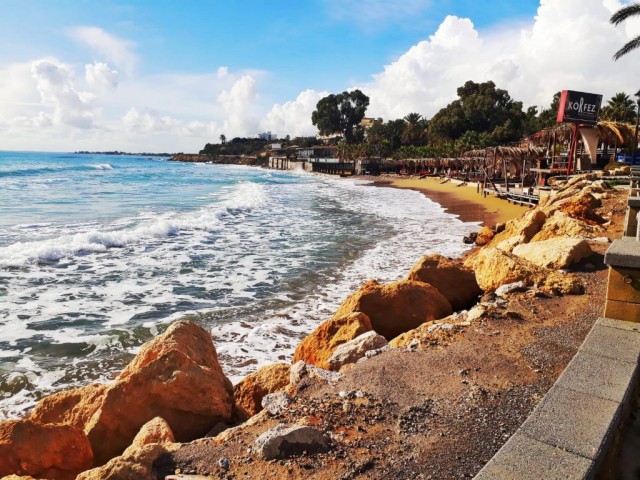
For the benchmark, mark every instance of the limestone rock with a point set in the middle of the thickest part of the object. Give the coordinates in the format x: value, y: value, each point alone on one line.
x: 248, y: 394
x: 276, y: 403
x: 43, y: 451
x: 397, y: 307
x: 70, y: 407
x: 555, y: 253
x: 181, y: 382
x: 495, y: 267
x: 427, y: 335
x: 561, y: 224
x: 301, y: 371
x: 454, y: 281
x: 154, y: 431
x: 137, y: 466
x: 318, y: 346
x: 520, y: 230
x: 282, y: 442
x: 485, y: 235
x: 352, y: 351
x: 508, y: 288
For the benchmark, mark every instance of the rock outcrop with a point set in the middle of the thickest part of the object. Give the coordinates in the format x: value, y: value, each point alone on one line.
x: 354, y: 350
x: 457, y: 283
x: 318, y: 346
x: 43, y: 451
x: 560, y: 252
x: 156, y: 430
x: 520, y: 230
x: 250, y: 391
x: 396, y: 307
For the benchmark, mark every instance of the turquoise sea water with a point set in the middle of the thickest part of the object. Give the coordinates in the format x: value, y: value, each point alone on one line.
x: 98, y: 253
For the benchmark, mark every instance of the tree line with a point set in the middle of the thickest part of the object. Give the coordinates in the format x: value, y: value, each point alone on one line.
x: 481, y: 116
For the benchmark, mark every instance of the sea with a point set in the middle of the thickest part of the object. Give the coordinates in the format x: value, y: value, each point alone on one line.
x: 99, y: 253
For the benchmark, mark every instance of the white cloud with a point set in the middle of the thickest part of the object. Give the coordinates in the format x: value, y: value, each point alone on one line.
x: 116, y: 50
x: 293, y: 117
x: 239, y: 107
x: 100, y: 75
x: 146, y: 122
x: 55, y: 83
x: 568, y: 45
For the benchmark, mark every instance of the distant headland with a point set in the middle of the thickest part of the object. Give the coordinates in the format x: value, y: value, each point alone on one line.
x: 115, y: 152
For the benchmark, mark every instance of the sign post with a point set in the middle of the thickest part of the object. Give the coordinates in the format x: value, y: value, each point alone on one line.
x: 577, y: 108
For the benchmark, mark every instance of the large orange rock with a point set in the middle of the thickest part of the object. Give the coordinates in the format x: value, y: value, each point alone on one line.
x: 495, y: 267
x: 43, y: 451
x: 73, y: 407
x: 485, y: 235
x: 248, y: 393
x: 136, y: 466
x: 156, y: 430
x: 396, y: 307
x: 457, y: 283
x: 520, y: 230
x: 177, y: 377
x: 561, y: 224
x: 320, y: 344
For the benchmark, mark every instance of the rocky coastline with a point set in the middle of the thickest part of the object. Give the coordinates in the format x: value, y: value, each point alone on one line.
x: 220, y: 159
x: 424, y: 377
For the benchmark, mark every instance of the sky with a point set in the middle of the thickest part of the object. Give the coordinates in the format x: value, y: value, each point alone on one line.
x: 167, y: 76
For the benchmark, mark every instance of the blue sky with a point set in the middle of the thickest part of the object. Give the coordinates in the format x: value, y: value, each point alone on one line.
x: 169, y: 74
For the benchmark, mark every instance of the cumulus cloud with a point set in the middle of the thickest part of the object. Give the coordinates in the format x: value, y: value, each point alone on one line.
x: 147, y: 122
x: 55, y: 83
x: 294, y: 117
x: 116, y: 50
x: 100, y: 75
x: 238, y: 105
x: 568, y: 45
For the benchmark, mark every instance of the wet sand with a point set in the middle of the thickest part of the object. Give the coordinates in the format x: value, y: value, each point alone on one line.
x: 464, y: 201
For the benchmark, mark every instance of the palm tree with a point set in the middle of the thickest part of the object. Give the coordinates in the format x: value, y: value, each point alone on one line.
x: 621, y: 108
x: 620, y: 16
x: 414, y: 130
x: 223, y: 139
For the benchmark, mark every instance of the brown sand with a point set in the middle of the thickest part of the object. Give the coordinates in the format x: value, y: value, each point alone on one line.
x: 464, y: 201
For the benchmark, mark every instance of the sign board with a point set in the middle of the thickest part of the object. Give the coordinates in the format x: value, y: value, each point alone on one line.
x: 579, y: 107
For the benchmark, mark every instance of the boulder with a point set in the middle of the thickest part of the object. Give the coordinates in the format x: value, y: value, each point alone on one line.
x: 397, y: 307
x: 427, y: 335
x: 248, y: 394
x: 43, y: 451
x: 276, y: 403
x: 520, y: 230
x: 555, y: 253
x: 282, y: 442
x: 454, y: 281
x: 485, y: 235
x: 561, y: 224
x: 301, y: 371
x: 354, y: 350
x: 156, y: 430
x: 73, y: 407
x: 318, y: 346
x: 508, y: 288
x: 136, y: 466
x: 190, y: 393
x: 495, y: 267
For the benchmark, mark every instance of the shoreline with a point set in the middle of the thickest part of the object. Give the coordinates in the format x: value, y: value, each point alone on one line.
x: 463, y: 201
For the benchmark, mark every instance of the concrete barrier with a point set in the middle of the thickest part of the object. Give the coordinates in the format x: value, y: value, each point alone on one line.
x: 570, y: 432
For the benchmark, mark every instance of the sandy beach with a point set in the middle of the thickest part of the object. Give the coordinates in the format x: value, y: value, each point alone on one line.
x: 464, y: 201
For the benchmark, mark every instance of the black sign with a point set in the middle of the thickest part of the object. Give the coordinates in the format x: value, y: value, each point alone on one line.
x: 579, y: 107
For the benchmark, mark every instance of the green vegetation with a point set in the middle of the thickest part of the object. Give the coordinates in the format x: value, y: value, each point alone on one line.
x: 620, y: 16
x: 341, y: 114
x: 621, y: 108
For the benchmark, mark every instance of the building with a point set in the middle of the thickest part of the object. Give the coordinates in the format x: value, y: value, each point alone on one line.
x: 268, y: 136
